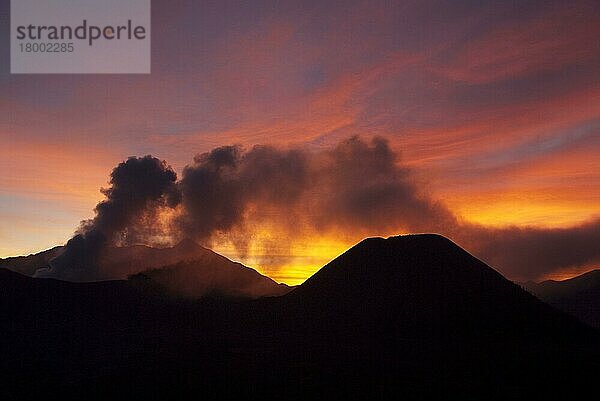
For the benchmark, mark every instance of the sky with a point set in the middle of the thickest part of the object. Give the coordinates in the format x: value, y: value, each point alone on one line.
x: 493, y: 108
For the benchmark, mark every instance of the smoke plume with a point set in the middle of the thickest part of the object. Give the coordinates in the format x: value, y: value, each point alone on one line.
x: 271, y: 196
x: 138, y: 186
x: 524, y: 253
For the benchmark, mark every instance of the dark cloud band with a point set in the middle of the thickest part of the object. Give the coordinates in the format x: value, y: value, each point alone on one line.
x: 354, y: 187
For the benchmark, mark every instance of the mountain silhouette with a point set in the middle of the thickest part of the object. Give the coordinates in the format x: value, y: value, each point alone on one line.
x: 185, y: 270
x: 116, y: 262
x: 28, y: 265
x: 578, y: 296
x: 411, y: 317
x: 427, y: 273
x: 210, y: 274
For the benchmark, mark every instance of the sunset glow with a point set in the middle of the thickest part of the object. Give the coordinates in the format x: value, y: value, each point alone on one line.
x: 494, y: 110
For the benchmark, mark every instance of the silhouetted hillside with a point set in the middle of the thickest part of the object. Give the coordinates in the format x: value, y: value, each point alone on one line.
x: 427, y: 273
x: 411, y: 317
x: 117, y: 262
x: 185, y: 270
x: 27, y: 265
x: 210, y: 274
x: 578, y: 296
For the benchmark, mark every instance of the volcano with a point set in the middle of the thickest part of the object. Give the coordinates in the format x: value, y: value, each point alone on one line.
x: 28, y: 265
x: 185, y: 270
x: 578, y: 296
x: 412, y: 317
x: 210, y: 274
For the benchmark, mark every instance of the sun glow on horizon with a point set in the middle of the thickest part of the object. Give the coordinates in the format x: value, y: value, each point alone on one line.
x: 497, y: 119
x: 290, y: 265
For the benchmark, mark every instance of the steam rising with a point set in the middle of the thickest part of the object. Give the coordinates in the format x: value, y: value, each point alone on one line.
x: 137, y: 186
x: 218, y: 189
x: 356, y: 187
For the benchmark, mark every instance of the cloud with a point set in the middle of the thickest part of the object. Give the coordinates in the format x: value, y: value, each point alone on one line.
x: 524, y: 253
x: 356, y: 188
x: 219, y: 188
x: 138, y: 186
x: 135, y: 186
x: 355, y: 185
x: 550, y: 40
x: 271, y: 198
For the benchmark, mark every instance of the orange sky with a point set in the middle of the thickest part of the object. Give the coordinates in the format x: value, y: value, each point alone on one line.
x: 495, y: 108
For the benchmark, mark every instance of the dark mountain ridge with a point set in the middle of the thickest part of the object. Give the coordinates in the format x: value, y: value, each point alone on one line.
x: 418, y: 287
x: 210, y: 274
x: 412, y: 317
x: 28, y: 265
x: 184, y: 270
x: 578, y: 296
x: 115, y: 263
